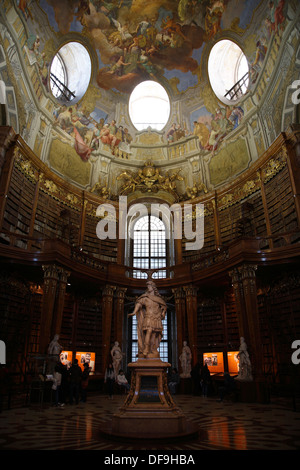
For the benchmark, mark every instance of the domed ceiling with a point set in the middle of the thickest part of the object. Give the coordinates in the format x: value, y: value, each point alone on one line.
x: 171, y: 34
x: 92, y: 141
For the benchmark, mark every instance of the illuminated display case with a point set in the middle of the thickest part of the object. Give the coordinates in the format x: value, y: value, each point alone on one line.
x: 66, y: 358
x: 233, y: 362
x: 214, y: 361
x: 89, y: 357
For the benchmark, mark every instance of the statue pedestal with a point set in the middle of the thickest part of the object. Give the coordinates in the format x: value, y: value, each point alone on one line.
x: 149, y: 411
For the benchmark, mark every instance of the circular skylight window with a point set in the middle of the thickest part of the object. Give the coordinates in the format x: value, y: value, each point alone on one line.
x: 70, y: 73
x: 228, y: 71
x: 149, y: 106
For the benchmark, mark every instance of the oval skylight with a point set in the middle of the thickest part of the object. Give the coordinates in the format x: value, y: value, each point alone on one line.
x: 70, y: 73
x: 149, y: 106
x: 228, y: 71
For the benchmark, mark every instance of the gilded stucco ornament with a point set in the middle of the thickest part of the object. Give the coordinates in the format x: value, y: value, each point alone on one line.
x: 149, y: 179
x: 100, y: 190
x: 194, y: 191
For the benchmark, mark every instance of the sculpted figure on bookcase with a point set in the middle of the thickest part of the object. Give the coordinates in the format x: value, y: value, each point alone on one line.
x: 150, y: 310
x: 186, y: 360
x: 117, y: 357
x: 245, y: 369
x: 54, y: 348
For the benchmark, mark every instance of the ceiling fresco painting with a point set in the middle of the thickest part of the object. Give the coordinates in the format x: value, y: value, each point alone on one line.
x: 138, y: 40
x: 132, y: 41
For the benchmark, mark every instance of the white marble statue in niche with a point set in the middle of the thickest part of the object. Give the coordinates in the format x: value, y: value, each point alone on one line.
x: 186, y: 360
x: 117, y: 356
x: 245, y: 369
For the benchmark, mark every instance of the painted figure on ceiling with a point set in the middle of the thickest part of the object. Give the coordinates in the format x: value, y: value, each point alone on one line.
x: 138, y: 40
x: 23, y: 5
x: 35, y: 57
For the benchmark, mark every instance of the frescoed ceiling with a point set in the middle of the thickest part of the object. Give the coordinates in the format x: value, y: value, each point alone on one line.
x: 137, y: 40
x: 90, y: 140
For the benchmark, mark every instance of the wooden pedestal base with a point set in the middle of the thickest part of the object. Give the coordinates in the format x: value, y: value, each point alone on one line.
x: 149, y: 411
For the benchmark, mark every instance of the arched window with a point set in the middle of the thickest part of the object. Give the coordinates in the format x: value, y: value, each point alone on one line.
x: 70, y: 73
x: 149, y: 246
x: 149, y: 106
x: 228, y: 71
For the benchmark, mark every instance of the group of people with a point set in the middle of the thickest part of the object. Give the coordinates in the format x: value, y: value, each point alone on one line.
x: 70, y: 384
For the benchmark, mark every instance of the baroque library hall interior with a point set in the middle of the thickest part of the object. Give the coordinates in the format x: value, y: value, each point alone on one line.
x: 150, y: 226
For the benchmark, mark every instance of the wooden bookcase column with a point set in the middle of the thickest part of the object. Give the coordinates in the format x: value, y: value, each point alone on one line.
x: 55, y: 281
x: 107, y: 316
x: 191, y: 313
x: 180, y: 316
x: 265, y: 206
x: 245, y: 291
x: 5, y: 180
x: 119, y: 314
x: 292, y: 153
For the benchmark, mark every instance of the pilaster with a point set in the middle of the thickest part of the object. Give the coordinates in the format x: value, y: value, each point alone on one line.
x: 107, y: 315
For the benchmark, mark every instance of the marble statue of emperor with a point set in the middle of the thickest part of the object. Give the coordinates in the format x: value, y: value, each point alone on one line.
x: 150, y: 310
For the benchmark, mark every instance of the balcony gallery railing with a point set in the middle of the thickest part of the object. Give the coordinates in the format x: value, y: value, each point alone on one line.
x: 255, y: 249
x: 238, y: 88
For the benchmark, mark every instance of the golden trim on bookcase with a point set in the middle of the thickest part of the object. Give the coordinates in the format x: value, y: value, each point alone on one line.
x: 72, y: 199
x: 69, y: 199
x: 51, y: 186
x: 25, y: 166
x: 274, y: 166
x: 91, y: 211
x: 239, y: 193
x: 47, y: 185
x: 268, y: 171
x: 209, y: 207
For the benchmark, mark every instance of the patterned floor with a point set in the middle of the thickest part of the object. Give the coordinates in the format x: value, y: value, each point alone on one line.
x: 223, y: 426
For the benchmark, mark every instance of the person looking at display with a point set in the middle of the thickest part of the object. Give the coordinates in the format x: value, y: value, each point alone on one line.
x: 122, y: 381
